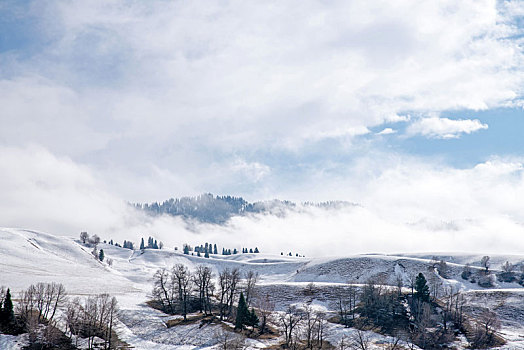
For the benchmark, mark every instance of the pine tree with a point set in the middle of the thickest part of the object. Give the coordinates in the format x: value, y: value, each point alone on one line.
x: 223, y: 251
x: 256, y: 250
x: 253, y: 319
x: 155, y: 245
x: 215, y: 250
x: 421, y: 288
x: 142, y: 246
x: 242, y: 313
x: 101, y: 255
x: 235, y: 251
x: 7, y: 313
x: 186, y: 249
x: 251, y: 250
x: 198, y: 252
x: 206, y: 255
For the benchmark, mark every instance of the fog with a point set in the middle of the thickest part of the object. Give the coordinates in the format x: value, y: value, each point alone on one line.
x: 406, y: 206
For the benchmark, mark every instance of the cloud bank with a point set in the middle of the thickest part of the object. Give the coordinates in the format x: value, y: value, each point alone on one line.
x: 400, y: 210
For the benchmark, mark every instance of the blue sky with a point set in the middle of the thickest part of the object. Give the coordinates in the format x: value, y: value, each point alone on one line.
x: 405, y: 104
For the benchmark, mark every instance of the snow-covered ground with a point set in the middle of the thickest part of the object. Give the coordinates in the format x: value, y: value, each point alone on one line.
x: 28, y: 257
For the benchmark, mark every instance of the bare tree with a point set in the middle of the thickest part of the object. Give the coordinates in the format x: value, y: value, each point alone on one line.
x: 289, y: 321
x: 84, y: 237
x: 163, y: 290
x: 182, y: 281
x: 223, y: 289
x: 508, y: 267
x: 361, y: 340
x: 233, y: 288
x: 443, y: 269
x: 228, y: 281
x: 251, y: 279
x: 399, y: 283
x: 487, y: 326
x: 229, y: 340
x: 265, y: 307
x: 310, y: 320
x: 41, y: 300
x: 485, y: 263
x: 94, y: 240
x: 202, y: 279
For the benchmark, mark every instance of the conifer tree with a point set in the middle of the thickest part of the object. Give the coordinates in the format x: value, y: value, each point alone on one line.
x: 215, y: 251
x: 206, y: 255
x: 256, y: 250
x: 421, y: 288
x: 235, y: 251
x: 186, y: 249
x: 142, y: 246
x: 243, y: 314
x: 253, y: 319
x: 251, y: 250
x: 198, y: 252
x: 7, y: 317
x: 101, y: 255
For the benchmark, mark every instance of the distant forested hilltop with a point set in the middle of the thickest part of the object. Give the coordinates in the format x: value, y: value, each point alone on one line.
x: 218, y: 209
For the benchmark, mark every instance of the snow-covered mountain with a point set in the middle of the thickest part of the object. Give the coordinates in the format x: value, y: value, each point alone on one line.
x: 28, y: 257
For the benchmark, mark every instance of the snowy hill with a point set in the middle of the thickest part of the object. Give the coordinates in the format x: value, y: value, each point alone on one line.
x: 28, y: 257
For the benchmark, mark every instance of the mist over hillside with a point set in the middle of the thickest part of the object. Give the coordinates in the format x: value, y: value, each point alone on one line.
x: 208, y: 208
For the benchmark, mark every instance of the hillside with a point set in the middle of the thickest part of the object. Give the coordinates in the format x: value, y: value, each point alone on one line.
x: 27, y: 257
x: 218, y: 209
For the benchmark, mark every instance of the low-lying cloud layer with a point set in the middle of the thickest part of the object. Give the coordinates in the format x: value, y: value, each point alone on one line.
x: 407, y: 206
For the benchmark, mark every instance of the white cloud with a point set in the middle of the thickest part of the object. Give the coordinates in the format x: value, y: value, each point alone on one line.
x: 444, y: 128
x: 235, y: 76
x: 405, y: 205
x: 387, y: 131
x: 253, y: 170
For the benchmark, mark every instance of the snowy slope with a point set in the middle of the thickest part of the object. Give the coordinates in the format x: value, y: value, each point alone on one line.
x: 28, y: 257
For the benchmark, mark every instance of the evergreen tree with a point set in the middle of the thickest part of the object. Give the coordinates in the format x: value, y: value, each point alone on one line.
x: 223, y: 251
x: 215, y: 251
x: 198, y: 252
x: 101, y: 255
x: 256, y: 250
x: 251, y: 250
x: 7, y: 317
x: 243, y: 314
x: 155, y: 245
x: 142, y: 246
x: 186, y: 249
x: 253, y: 319
x: 421, y: 288
x: 235, y: 251
x: 206, y: 255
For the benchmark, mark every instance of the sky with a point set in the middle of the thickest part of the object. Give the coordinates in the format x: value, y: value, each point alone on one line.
x: 411, y: 109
